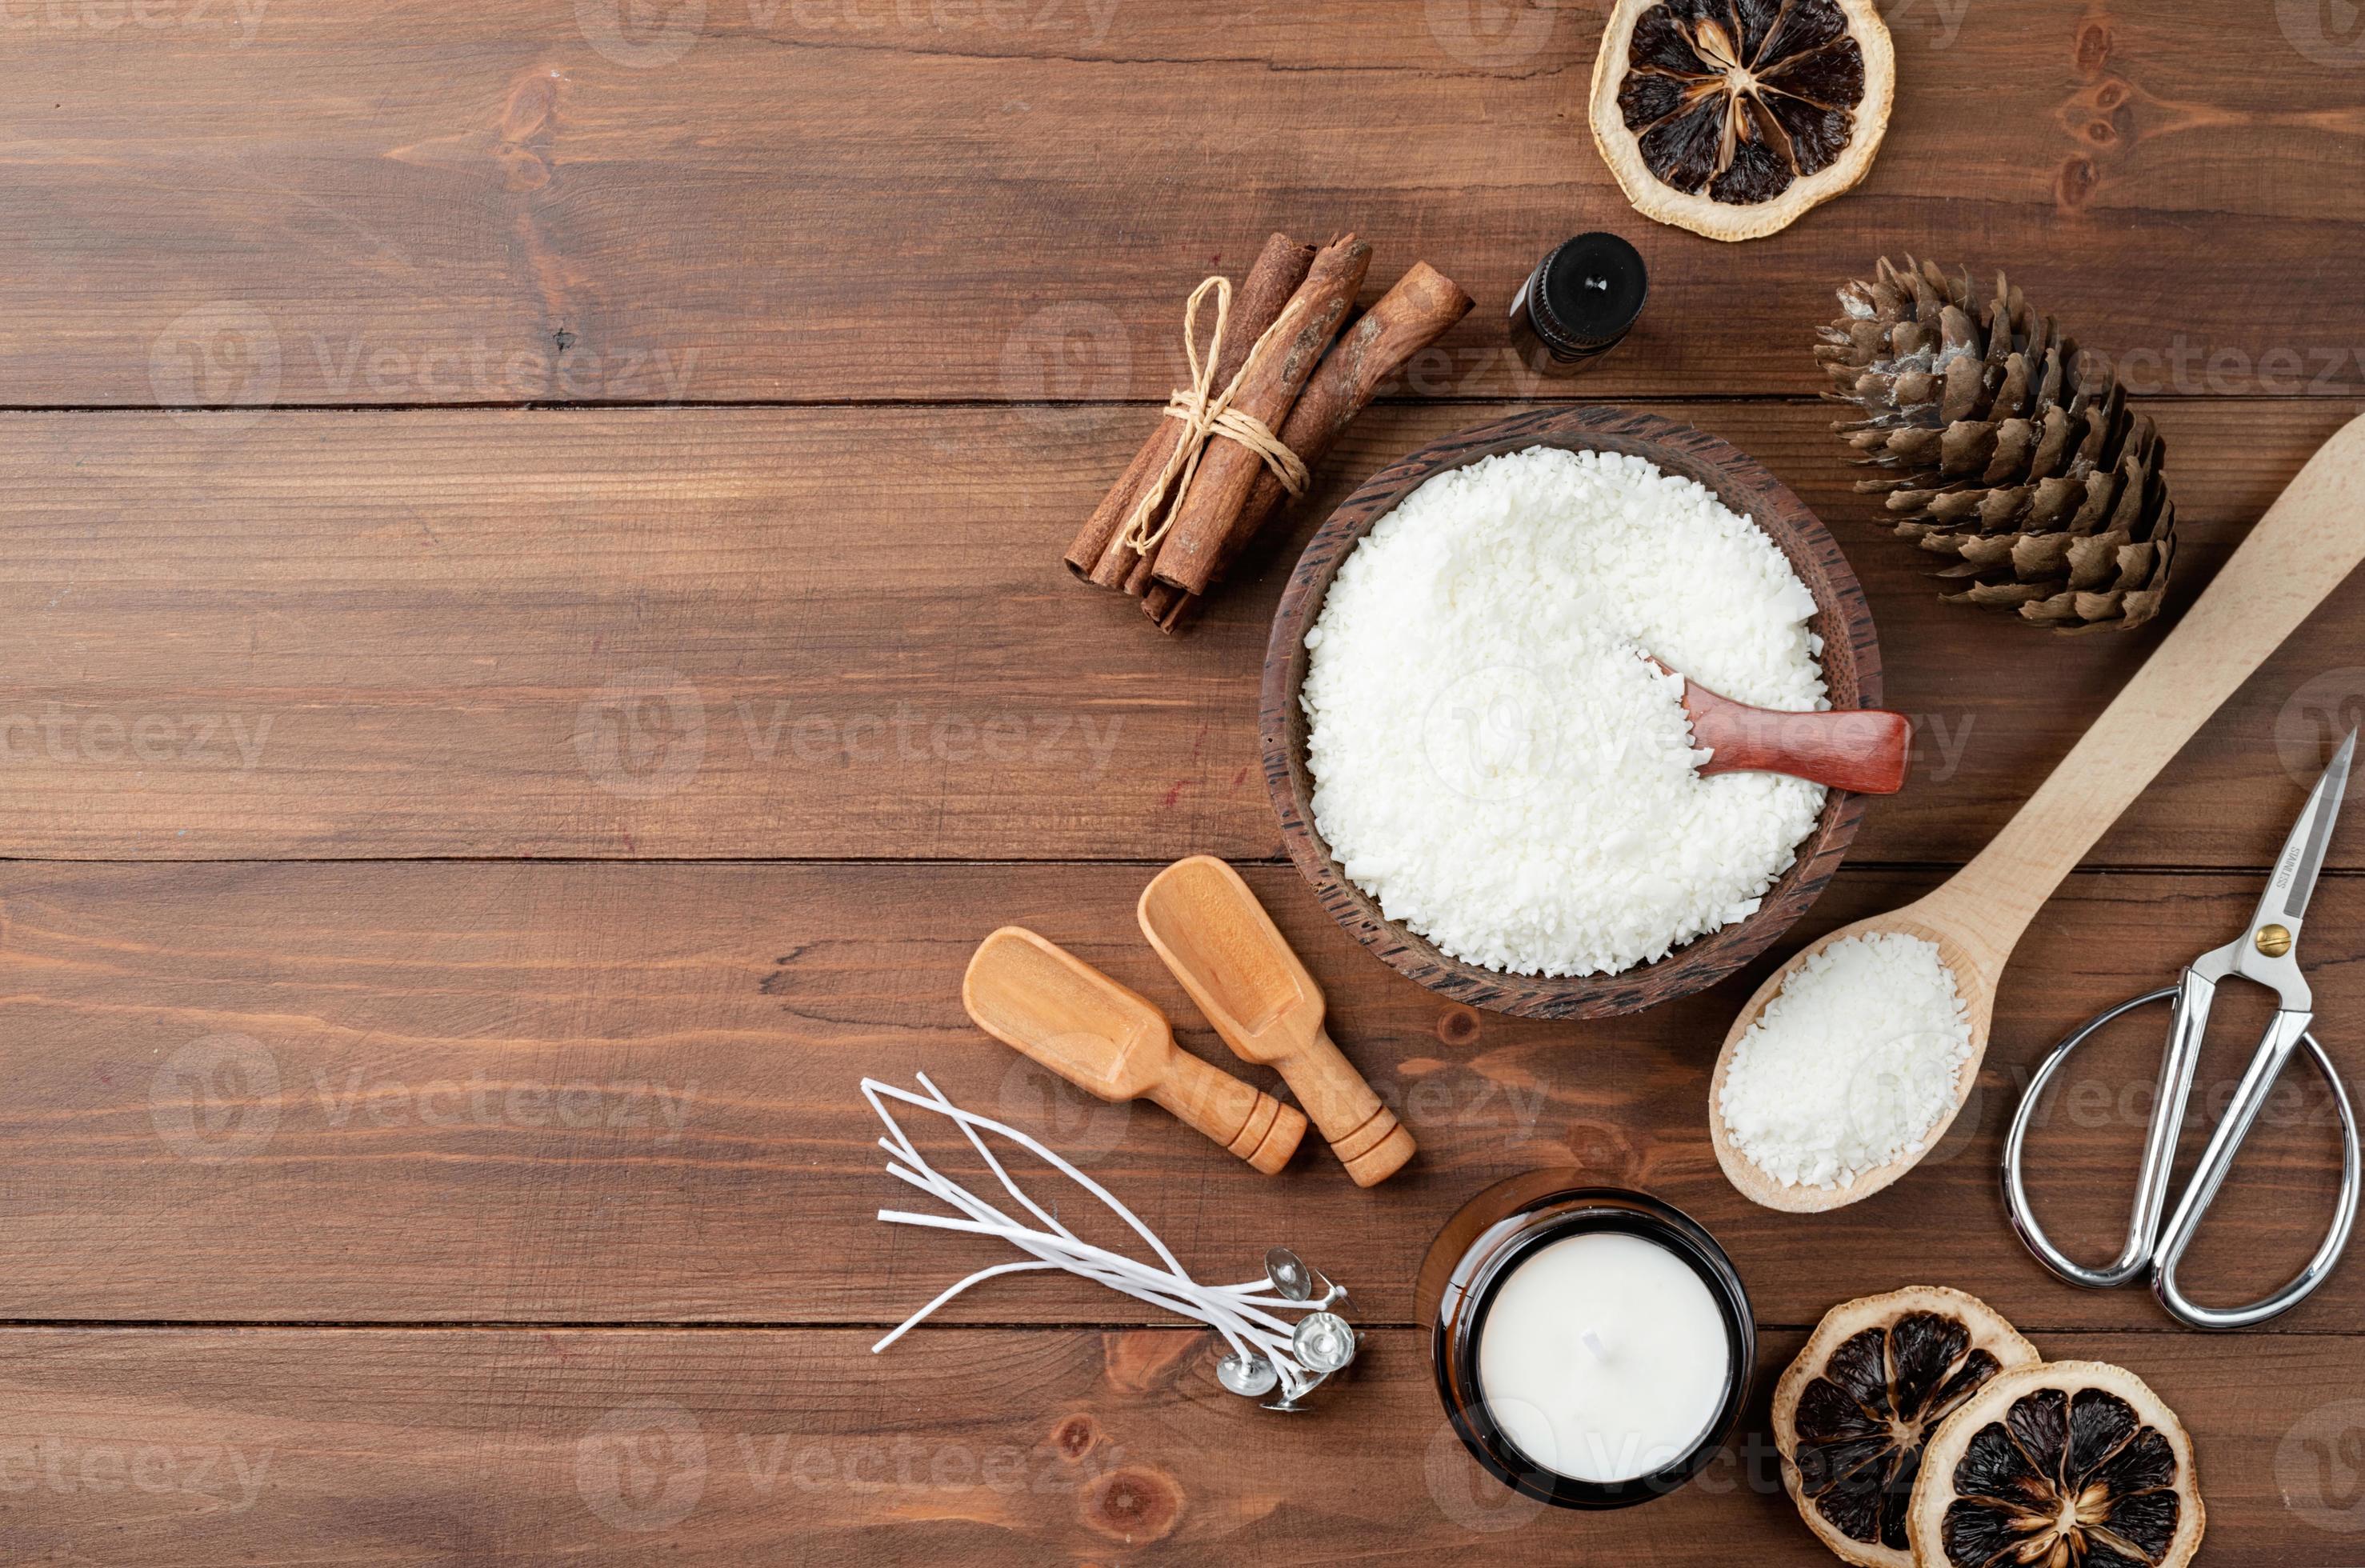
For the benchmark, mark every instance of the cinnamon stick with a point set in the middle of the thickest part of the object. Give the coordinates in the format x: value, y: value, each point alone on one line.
x: 1407, y: 319
x: 1138, y: 581
x: 1123, y: 566
x: 1270, y: 284
x: 1280, y: 267
x: 1276, y: 371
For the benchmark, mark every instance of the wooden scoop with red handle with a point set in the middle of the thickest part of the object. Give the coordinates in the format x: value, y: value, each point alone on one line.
x: 1223, y: 947
x: 1041, y: 1000
x: 1862, y: 750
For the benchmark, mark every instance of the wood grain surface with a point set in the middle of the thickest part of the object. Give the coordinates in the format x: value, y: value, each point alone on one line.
x: 430, y: 1446
x: 633, y: 633
x: 932, y: 199
x: 572, y: 1446
x: 536, y: 649
x: 627, y: 1093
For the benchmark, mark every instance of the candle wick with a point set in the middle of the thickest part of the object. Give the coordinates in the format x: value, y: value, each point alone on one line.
x: 1593, y: 1343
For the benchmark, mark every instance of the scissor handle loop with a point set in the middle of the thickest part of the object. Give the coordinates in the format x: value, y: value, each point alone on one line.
x: 2147, y: 1250
x: 2136, y: 1257
x: 2214, y: 1161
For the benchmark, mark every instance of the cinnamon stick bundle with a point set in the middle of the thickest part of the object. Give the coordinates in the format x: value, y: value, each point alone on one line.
x: 1097, y: 555
x: 1277, y: 370
x: 1408, y: 318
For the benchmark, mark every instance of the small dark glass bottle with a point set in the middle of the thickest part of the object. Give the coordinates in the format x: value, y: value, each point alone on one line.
x: 1578, y: 304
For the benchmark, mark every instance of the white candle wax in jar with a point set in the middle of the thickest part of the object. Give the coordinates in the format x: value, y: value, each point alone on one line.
x: 1604, y: 1357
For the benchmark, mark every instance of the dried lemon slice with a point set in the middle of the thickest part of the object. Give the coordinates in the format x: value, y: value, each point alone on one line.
x: 1731, y: 118
x: 2070, y: 1464
x: 1852, y: 1414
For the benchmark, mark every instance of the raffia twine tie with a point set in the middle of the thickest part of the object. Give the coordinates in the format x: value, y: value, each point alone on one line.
x: 1205, y: 417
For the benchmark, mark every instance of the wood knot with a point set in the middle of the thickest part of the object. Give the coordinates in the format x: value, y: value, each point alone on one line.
x: 2094, y: 46
x: 1073, y: 1437
x: 518, y: 143
x: 1603, y: 1146
x: 1134, y: 1505
x: 1458, y: 1026
x: 2073, y: 184
x: 2102, y: 116
x: 1142, y: 1361
x: 531, y: 105
x: 523, y: 169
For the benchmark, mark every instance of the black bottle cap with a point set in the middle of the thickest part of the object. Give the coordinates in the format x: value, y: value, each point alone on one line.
x: 1585, y: 296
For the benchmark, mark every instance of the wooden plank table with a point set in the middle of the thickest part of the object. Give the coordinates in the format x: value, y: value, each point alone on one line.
x: 535, y: 652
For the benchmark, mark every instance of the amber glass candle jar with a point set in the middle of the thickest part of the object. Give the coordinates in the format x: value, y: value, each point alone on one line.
x: 1593, y: 1345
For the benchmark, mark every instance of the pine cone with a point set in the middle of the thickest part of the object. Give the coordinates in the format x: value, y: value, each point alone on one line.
x: 2014, y: 458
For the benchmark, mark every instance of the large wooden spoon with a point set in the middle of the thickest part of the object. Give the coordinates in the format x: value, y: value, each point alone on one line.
x: 2306, y: 545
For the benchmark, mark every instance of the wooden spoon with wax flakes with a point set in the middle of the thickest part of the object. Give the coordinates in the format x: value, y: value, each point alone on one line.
x: 1863, y: 750
x: 2304, y: 547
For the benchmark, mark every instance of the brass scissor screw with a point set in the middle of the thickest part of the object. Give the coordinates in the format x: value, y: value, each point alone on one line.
x: 2274, y: 941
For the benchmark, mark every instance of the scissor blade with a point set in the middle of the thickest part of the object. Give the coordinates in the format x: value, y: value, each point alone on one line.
x: 2302, y: 856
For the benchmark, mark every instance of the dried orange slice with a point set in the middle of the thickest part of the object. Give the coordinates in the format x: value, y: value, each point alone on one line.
x: 1732, y: 118
x: 1852, y: 1414
x: 2070, y: 1464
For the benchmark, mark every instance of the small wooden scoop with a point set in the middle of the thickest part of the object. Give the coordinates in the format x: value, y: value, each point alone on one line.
x: 1862, y: 750
x: 2308, y: 542
x: 1037, y: 998
x: 1233, y: 960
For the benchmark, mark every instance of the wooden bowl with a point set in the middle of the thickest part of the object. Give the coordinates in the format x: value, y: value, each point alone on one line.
x: 1851, y: 663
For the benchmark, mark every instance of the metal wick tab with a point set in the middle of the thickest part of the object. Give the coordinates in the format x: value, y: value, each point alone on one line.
x: 1251, y: 1376
x: 1322, y: 1344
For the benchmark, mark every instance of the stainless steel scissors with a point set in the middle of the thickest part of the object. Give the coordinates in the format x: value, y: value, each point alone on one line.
x: 2264, y: 954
